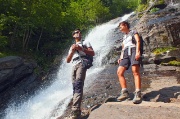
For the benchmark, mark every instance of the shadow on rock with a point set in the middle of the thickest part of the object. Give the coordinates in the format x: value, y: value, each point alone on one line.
x: 163, y: 95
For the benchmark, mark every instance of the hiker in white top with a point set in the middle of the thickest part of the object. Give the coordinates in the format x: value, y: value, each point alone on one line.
x: 76, y: 52
x: 130, y: 56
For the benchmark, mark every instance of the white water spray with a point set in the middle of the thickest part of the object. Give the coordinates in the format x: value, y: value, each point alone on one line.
x: 41, y: 105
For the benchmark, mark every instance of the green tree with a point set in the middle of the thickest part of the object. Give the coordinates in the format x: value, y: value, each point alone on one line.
x: 120, y: 7
x: 42, y: 27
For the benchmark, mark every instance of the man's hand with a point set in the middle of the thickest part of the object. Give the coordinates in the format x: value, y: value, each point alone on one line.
x: 76, y: 47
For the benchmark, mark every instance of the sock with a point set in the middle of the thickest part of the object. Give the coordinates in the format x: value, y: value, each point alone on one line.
x: 137, y: 90
x: 124, y: 89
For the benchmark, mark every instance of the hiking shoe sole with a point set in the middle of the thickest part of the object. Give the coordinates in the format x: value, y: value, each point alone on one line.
x: 137, y: 101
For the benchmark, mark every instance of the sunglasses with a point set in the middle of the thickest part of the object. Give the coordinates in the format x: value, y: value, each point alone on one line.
x: 76, y: 32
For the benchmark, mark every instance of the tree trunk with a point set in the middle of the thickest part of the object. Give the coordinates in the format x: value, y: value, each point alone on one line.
x: 37, y: 47
x: 25, y: 39
x: 28, y: 39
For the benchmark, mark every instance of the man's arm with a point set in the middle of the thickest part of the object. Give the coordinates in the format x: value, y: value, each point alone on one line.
x: 70, y: 54
x: 69, y: 57
x: 89, y: 51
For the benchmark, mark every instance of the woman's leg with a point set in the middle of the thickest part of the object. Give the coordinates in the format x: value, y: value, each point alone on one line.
x: 120, y: 73
x: 137, y: 94
x: 124, y: 93
x: 136, y: 74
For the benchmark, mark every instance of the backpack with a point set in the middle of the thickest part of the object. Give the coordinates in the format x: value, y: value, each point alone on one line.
x: 87, y: 61
x: 141, y: 43
x: 141, y: 47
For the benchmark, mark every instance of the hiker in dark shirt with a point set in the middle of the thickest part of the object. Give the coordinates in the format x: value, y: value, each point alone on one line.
x: 130, y: 56
x: 76, y: 52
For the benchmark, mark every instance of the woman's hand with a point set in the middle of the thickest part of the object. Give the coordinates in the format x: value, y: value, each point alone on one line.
x: 119, y: 60
x: 137, y: 56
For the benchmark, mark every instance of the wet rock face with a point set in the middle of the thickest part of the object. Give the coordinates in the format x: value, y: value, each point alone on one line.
x: 17, y: 79
x: 160, y: 29
x: 171, y: 1
x: 13, y: 70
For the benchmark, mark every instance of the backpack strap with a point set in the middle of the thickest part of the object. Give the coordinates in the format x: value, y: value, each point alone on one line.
x: 141, y: 42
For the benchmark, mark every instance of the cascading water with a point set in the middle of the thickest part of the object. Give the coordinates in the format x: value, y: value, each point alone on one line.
x: 41, y: 105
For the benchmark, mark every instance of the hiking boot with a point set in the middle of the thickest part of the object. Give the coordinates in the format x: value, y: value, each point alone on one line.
x: 123, y: 96
x: 74, y: 115
x: 137, y: 97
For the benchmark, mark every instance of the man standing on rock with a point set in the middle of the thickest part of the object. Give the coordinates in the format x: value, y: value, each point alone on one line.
x: 130, y: 55
x: 76, y: 52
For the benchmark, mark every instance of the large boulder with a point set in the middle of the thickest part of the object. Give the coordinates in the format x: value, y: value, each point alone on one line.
x: 13, y: 70
x: 175, y: 53
x: 17, y: 80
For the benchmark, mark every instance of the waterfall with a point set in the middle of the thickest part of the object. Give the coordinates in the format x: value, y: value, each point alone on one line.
x: 43, y: 103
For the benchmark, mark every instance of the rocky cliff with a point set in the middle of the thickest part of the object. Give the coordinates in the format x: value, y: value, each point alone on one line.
x: 158, y: 29
x: 17, y: 79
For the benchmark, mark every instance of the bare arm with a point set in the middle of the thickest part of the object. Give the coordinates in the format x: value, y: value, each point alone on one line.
x: 136, y: 36
x: 121, y: 56
x: 88, y: 50
x: 70, y: 55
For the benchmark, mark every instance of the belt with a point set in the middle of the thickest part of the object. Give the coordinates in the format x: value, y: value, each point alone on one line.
x: 77, y: 58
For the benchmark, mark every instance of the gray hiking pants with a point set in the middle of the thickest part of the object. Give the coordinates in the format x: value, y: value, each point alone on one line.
x: 78, y: 77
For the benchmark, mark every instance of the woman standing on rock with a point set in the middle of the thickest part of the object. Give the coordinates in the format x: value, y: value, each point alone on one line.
x: 130, y: 55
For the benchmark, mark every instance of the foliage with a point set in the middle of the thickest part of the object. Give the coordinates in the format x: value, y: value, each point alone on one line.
x: 119, y: 7
x: 3, y: 42
x: 2, y: 55
x: 142, y: 7
x: 164, y: 49
x: 154, y: 10
x: 41, y: 28
x: 161, y: 2
x: 174, y: 63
